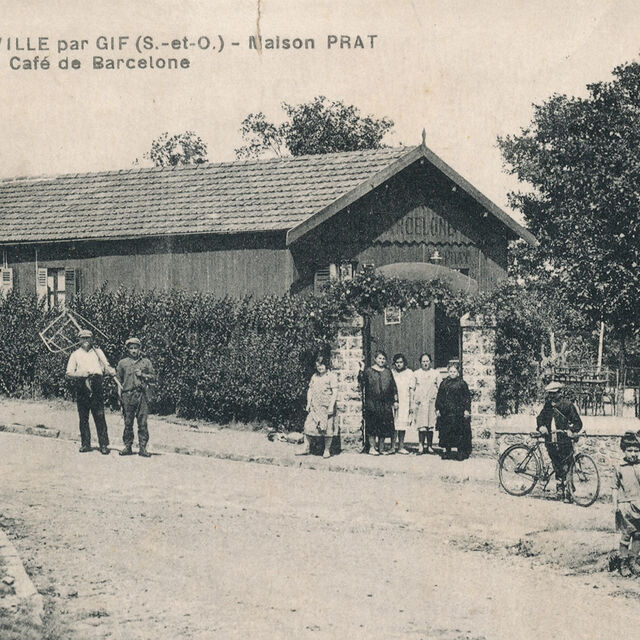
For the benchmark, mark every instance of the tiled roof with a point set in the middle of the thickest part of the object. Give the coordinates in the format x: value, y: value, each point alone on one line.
x: 228, y: 197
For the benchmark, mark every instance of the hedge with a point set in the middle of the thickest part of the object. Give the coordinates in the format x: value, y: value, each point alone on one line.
x: 224, y: 359
x: 217, y: 359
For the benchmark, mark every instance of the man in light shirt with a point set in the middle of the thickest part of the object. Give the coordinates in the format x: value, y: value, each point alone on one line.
x: 87, y: 367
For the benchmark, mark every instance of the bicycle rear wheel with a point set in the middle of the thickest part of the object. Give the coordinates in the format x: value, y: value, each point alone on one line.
x: 519, y: 469
x: 583, y: 480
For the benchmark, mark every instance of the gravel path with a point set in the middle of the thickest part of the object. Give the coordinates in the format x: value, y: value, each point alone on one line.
x: 185, y: 547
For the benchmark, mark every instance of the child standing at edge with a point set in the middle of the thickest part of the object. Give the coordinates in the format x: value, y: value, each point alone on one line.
x: 135, y: 373
x: 321, y: 407
x: 627, y: 498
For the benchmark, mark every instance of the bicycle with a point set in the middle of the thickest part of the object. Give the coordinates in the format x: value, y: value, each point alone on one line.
x: 522, y: 466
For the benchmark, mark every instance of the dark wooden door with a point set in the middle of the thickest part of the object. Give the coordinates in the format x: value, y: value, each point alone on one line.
x: 413, y: 335
x: 447, y: 339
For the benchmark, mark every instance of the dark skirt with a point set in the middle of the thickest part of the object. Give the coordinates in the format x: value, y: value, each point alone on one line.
x: 379, y: 422
x: 455, y: 433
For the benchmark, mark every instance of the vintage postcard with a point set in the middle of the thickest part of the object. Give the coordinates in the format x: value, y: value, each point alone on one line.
x: 319, y: 319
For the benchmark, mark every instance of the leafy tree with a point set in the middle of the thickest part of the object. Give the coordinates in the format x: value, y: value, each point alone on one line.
x: 318, y: 126
x: 580, y: 158
x: 179, y: 149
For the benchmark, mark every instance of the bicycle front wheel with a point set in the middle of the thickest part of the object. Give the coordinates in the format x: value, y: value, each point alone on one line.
x: 518, y: 469
x: 584, y: 480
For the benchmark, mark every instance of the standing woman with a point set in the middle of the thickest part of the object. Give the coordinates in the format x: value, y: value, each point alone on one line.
x: 453, y: 408
x: 321, y: 406
x: 405, y: 384
x: 380, y: 402
x: 425, y: 403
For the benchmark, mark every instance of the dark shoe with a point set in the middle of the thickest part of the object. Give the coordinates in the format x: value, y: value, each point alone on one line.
x: 105, y: 451
x: 625, y: 567
x: 85, y: 448
x: 144, y: 453
x: 126, y: 451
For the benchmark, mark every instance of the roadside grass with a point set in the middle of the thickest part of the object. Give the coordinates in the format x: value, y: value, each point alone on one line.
x: 15, y: 625
x: 580, y: 550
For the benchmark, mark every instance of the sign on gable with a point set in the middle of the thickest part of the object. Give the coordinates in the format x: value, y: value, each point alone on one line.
x: 422, y: 224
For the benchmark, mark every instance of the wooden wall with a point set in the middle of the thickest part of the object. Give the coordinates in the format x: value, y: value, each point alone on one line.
x: 234, y: 265
x: 406, y: 220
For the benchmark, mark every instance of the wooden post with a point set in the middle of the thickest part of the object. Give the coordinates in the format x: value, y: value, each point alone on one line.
x: 600, y: 345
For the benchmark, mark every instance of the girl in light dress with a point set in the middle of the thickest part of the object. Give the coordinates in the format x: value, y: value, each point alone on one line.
x: 406, y: 384
x: 425, y: 394
x: 321, y: 406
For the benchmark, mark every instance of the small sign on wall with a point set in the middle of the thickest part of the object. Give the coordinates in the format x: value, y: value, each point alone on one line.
x: 392, y: 315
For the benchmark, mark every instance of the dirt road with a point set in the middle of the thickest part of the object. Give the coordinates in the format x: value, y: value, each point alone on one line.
x: 185, y: 547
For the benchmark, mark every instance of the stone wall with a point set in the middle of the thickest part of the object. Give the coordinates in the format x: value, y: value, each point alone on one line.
x: 346, y: 355
x: 478, y: 369
x: 478, y: 352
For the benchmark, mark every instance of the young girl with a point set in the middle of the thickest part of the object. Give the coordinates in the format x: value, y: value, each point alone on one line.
x: 406, y: 384
x: 321, y: 404
x: 425, y: 402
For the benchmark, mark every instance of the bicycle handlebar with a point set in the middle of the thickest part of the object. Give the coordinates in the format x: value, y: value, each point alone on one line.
x: 569, y: 434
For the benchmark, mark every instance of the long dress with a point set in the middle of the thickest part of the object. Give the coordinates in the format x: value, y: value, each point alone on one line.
x: 452, y: 401
x: 380, y: 392
x: 425, y: 398
x: 405, y: 383
x: 321, y: 401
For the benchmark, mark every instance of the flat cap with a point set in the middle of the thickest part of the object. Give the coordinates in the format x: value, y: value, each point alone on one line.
x: 553, y: 387
x: 630, y: 438
x: 85, y: 333
x: 132, y: 341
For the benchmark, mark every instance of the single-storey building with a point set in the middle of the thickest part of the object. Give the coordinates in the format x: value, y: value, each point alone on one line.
x: 258, y: 227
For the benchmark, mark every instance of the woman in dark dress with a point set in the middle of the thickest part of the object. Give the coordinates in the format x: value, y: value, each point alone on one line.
x: 453, y: 411
x: 380, y: 402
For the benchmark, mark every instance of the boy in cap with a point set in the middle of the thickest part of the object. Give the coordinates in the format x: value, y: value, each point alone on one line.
x: 564, y: 415
x: 135, y: 373
x: 627, y: 498
x: 87, y: 367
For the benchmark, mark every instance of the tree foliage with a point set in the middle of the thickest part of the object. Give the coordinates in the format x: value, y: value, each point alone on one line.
x: 580, y: 157
x: 318, y: 126
x: 179, y: 149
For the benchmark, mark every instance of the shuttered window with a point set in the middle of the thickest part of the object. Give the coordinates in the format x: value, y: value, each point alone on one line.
x: 57, y: 285
x: 6, y: 280
x: 324, y: 276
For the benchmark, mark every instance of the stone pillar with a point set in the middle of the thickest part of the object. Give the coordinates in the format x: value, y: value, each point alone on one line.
x: 478, y: 367
x: 346, y: 354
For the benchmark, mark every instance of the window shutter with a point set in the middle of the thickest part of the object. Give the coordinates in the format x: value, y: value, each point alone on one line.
x: 41, y: 284
x: 323, y: 276
x: 6, y: 280
x: 70, y: 283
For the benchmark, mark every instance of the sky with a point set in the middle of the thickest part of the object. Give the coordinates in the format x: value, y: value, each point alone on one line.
x: 465, y: 71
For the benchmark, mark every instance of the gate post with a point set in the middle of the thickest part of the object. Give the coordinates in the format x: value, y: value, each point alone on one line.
x: 346, y: 354
x: 478, y: 366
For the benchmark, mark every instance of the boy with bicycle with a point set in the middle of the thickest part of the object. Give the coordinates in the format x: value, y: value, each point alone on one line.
x: 627, y: 499
x: 557, y: 421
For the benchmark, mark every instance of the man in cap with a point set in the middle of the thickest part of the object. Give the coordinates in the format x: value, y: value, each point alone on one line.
x: 87, y: 367
x: 557, y: 421
x: 135, y: 373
